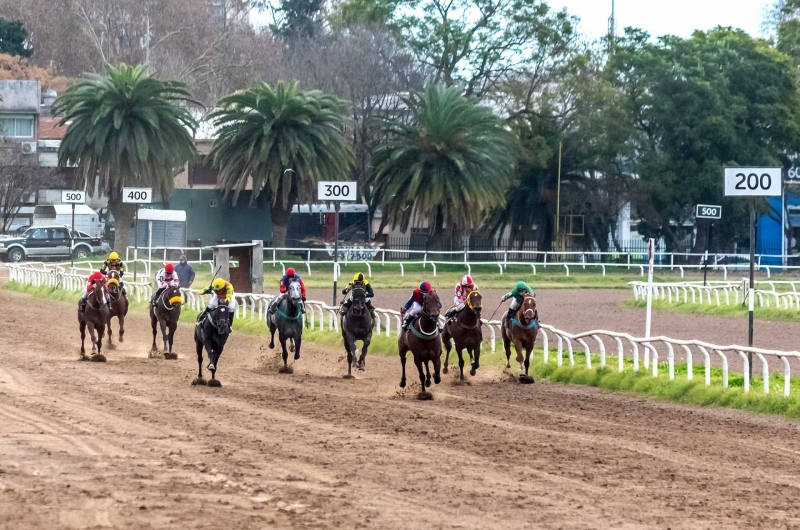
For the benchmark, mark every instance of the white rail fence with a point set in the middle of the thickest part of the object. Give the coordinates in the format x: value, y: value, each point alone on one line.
x: 565, y: 261
x: 723, y: 293
x: 642, y: 353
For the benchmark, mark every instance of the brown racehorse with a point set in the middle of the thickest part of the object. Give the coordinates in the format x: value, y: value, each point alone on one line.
x: 95, y: 317
x: 465, y: 330
x: 118, y: 306
x: 165, y: 313
x: 522, y: 330
x: 422, y: 340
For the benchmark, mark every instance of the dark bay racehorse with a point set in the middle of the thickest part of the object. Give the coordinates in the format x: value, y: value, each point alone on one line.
x: 465, y: 330
x: 522, y: 330
x: 422, y: 340
x: 212, y: 334
x: 118, y: 306
x: 357, y: 325
x: 165, y: 313
x: 95, y: 317
x: 288, y: 321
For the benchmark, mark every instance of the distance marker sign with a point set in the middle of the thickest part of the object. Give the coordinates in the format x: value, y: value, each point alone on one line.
x: 137, y: 195
x: 73, y: 197
x: 337, y: 191
x: 708, y: 211
x: 753, y: 181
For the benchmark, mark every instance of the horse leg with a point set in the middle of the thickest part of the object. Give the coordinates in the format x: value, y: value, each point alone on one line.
x: 110, y: 333
x: 348, y: 347
x: 83, y: 338
x: 285, y: 353
x: 520, y: 348
x: 100, y: 333
x: 199, y: 347
x: 163, y: 325
x: 507, y: 348
x: 92, y: 336
x: 528, y: 352
x: 403, y: 367
x: 364, y: 346
x: 154, y: 324
x: 476, y: 363
x: 460, y: 352
x: 272, y: 329
x: 447, y: 348
x: 437, y: 365
x: 172, y: 328
x: 297, y: 340
x: 121, y: 319
x: 427, y: 374
x: 418, y: 363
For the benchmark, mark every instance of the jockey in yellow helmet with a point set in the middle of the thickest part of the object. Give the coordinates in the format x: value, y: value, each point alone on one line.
x: 221, y: 293
x: 359, y: 282
x: 113, y: 263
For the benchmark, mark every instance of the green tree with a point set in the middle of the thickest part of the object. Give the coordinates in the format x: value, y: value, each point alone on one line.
x: 298, y: 19
x: 282, y: 140
x: 14, y: 39
x: 125, y: 129
x: 448, y: 165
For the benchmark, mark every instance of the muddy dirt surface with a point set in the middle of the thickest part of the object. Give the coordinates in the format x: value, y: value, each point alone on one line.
x: 131, y: 444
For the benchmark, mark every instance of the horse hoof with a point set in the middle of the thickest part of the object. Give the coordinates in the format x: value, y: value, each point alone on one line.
x: 402, y: 383
x: 436, y: 379
x: 271, y: 345
x: 98, y: 358
x: 199, y: 382
x: 285, y: 370
x: 525, y: 380
x: 214, y: 383
x: 211, y: 367
x: 445, y: 370
x: 362, y: 367
x: 296, y: 356
x: 427, y: 383
x: 348, y: 376
x: 170, y: 356
x: 472, y: 372
x: 121, y: 339
x: 291, y: 347
x: 424, y: 396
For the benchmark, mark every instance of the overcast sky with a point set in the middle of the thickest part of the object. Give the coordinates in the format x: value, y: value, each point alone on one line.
x: 660, y: 17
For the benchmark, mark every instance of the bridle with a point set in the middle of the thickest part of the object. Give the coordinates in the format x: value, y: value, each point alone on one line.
x: 163, y: 300
x: 471, y: 308
x: 89, y: 298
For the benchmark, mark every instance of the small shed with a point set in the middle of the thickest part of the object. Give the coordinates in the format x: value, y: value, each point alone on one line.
x: 162, y: 228
x: 248, y: 276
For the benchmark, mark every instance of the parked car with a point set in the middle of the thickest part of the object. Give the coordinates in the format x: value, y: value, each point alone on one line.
x: 42, y: 242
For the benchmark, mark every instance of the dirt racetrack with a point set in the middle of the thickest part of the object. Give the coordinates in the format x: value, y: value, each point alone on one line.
x: 130, y: 444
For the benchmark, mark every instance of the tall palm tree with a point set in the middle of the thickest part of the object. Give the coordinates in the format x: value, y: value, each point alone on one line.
x: 125, y: 129
x: 448, y: 165
x: 282, y: 141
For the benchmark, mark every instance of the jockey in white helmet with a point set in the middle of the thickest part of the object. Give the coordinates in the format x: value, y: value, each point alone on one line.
x: 463, y: 288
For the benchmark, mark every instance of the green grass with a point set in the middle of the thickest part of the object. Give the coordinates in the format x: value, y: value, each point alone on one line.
x: 734, y: 310
x: 680, y: 390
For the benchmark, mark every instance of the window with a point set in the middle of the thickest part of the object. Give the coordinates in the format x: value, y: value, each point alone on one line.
x: 202, y: 173
x: 39, y: 233
x: 60, y: 233
x: 16, y: 127
x: 213, y: 203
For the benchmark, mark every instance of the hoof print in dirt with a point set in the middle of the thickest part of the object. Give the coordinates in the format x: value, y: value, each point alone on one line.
x: 425, y: 396
x: 83, y: 358
x: 462, y: 382
x: 348, y: 376
x: 199, y: 382
x: 285, y: 370
x: 170, y: 356
x: 214, y: 383
x: 111, y: 346
x: 525, y: 380
x: 99, y: 358
x: 154, y: 354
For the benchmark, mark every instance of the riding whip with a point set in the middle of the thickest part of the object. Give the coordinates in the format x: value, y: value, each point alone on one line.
x: 498, y: 307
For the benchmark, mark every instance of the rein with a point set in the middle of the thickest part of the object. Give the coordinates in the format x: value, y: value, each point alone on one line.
x: 169, y: 307
x: 287, y: 317
x: 89, y: 301
x: 423, y: 335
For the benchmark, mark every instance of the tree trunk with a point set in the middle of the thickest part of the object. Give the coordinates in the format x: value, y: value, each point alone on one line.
x: 124, y: 217
x: 280, y: 226
x: 436, y: 242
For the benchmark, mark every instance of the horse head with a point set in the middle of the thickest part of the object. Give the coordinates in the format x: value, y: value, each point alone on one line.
x: 474, y: 302
x: 527, y: 310
x: 172, y: 297
x: 359, y: 302
x: 430, y: 306
x: 220, y: 320
x: 295, y: 293
x: 113, y: 282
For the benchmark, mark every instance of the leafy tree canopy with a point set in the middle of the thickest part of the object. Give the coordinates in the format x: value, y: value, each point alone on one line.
x: 14, y: 39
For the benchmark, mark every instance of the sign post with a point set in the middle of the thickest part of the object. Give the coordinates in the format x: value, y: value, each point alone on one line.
x: 650, y: 260
x: 72, y: 197
x: 137, y: 196
x: 711, y: 212
x: 752, y: 182
x: 336, y: 192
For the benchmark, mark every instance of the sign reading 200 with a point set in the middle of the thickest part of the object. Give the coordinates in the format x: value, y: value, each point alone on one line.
x: 753, y: 181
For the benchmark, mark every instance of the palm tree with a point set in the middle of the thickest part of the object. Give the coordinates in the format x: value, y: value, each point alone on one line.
x: 125, y: 129
x: 282, y: 140
x: 448, y: 165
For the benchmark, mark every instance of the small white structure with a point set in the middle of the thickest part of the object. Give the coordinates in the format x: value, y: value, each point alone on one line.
x: 86, y: 219
x: 162, y: 228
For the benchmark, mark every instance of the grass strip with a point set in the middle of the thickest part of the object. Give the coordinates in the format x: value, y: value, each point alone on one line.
x: 680, y: 390
x: 734, y: 310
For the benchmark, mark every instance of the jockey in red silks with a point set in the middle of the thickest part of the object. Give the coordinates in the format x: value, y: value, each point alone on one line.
x: 414, y: 305
x: 94, y: 278
x: 286, y: 279
x: 166, y: 278
x: 463, y: 288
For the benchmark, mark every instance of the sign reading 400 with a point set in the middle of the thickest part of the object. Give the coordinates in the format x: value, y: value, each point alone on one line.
x: 336, y: 191
x: 137, y: 195
x: 752, y: 182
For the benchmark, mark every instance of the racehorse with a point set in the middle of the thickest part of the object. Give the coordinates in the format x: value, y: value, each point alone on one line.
x: 422, y: 340
x: 465, y: 330
x: 288, y: 320
x: 165, y: 312
x: 357, y: 325
x: 522, y: 330
x: 118, y: 306
x: 95, y: 316
x: 212, y: 334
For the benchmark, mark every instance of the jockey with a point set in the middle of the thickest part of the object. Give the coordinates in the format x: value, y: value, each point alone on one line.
x: 463, y: 288
x: 113, y: 263
x: 221, y: 293
x: 362, y: 283
x: 94, y: 278
x: 286, y: 279
x: 518, y: 294
x: 414, y: 305
x: 166, y: 278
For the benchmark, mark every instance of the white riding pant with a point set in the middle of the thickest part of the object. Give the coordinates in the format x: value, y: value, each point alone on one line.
x: 415, y: 310
x: 514, y: 304
x: 214, y: 303
x: 350, y: 297
x: 459, y: 305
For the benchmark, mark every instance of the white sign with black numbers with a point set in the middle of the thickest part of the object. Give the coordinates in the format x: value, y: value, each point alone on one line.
x: 73, y: 197
x: 708, y: 211
x: 337, y: 191
x: 137, y: 195
x: 753, y: 181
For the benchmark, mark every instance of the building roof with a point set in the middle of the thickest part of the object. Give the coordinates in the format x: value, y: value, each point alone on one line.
x: 47, y: 210
x: 162, y: 215
x: 49, y: 128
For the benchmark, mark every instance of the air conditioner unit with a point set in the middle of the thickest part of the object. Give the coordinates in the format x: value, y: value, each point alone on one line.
x: 28, y: 148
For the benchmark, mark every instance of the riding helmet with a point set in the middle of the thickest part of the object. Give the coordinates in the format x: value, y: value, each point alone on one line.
x: 425, y: 287
x: 358, y: 277
x: 218, y: 284
x: 113, y: 255
x: 521, y: 285
x: 290, y: 272
x: 169, y: 268
x: 466, y: 280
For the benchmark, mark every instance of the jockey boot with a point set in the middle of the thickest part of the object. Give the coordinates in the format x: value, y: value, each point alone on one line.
x: 450, y: 313
x: 232, y: 314
x: 82, y: 305
x: 407, y: 320
x: 345, y: 307
x: 156, y: 295
x: 510, y: 314
x: 372, y: 310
